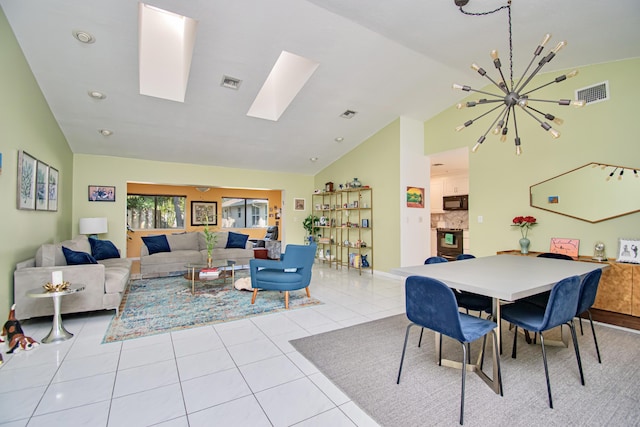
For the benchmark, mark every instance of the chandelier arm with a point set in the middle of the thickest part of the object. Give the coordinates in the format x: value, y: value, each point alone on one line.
x: 504, y: 81
x: 547, y: 116
x: 563, y: 102
x: 504, y: 89
x: 486, y: 93
x: 485, y: 113
x: 546, y: 126
x: 515, y: 123
x: 533, y: 74
x: 539, y: 87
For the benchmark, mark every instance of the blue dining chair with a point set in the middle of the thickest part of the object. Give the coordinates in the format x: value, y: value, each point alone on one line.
x: 561, y: 309
x: 435, y: 260
x: 432, y: 305
x: 471, y: 301
x: 290, y: 273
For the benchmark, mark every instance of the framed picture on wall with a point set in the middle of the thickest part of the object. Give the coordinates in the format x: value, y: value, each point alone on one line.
x: 53, y: 189
x: 629, y: 251
x: 42, y: 182
x: 298, y: 204
x: 27, y: 167
x: 102, y: 193
x: 203, y: 213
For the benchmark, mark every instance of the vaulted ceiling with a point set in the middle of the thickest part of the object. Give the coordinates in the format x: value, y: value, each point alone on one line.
x: 381, y: 59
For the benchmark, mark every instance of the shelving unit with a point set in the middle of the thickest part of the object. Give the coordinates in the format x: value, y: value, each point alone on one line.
x: 345, y: 236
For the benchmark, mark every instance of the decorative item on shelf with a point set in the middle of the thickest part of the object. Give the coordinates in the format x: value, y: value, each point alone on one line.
x: 346, y: 242
x: 598, y: 252
x: 355, y: 183
x: 328, y: 187
x: 341, y: 186
x: 58, y: 287
x: 365, y: 262
x: 629, y: 251
x: 317, y: 191
x: 524, y: 223
x: 511, y: 94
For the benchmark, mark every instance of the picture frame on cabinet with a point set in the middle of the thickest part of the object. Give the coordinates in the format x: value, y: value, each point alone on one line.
x: 629, y: 251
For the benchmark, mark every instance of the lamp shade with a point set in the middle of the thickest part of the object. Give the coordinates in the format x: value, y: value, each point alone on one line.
x: 93, y: 225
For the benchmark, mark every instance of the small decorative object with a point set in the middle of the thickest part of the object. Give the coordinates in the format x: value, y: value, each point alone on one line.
x: 365, y: 223
x: 628, y: 251
x: 365, y: 263
x: 317, y: 191
x: 328, y: 187
x: 346, y: 242
x: 355, y: 183
x: 56, y: 277
x: 525, y: 223
x: 565, y: 246
x: 598, y: 252
x: 323, y: 221
x: 55, y: 287
x: 341, y: 186
x: 211, y: 238
x: 16, y: 338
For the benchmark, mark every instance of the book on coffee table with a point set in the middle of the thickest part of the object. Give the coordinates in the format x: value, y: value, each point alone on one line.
x: 209, y: 273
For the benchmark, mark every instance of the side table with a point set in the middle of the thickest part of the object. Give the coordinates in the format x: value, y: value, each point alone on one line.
x: 58, y: 332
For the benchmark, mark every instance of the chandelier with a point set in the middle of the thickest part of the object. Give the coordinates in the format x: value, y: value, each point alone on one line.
x: 512, y: 96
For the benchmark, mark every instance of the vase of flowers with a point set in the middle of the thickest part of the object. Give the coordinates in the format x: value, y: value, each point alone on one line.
x: 210, y: 237
x: 524, y: 223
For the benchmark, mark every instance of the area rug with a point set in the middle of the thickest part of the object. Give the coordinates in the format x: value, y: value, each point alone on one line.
x: 363, y: 362
x: 159, y: 305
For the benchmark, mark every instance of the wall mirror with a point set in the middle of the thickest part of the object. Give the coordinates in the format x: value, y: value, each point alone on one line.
x: 585, y: 193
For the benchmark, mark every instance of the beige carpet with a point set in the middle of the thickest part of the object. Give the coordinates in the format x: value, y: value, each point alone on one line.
x: 363, y: 361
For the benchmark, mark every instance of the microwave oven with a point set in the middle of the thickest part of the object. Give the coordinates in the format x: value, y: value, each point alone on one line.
x: 455, y: 203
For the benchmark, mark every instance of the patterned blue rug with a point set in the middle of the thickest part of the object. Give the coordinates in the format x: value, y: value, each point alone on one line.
x: 156, y: 306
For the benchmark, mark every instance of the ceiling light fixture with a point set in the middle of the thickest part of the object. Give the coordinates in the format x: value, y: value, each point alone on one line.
x: 96, y: 94
x: 348, y: 114
x: 105, y: 132
x: 314, y: 159
x: 230, y: 82
x: 339, y: 139
x: 513, y: 95
x: 203, y: 189
x: 83, y: 36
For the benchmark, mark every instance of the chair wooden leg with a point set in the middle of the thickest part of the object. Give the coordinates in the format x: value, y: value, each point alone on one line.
x: 255, y: 294
x: 308, y: 293
x: 286, y: 299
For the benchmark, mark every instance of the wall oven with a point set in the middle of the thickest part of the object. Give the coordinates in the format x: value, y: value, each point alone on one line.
x: 449, y: 242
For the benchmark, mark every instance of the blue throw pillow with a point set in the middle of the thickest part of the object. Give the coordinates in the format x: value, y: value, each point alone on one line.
x: 237, y: 240
x: 103, y: 249
x: 77, y: 258
x: 156, y: 244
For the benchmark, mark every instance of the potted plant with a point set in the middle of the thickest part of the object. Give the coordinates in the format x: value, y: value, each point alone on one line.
x: 309, y: 225
x: 210, y: 237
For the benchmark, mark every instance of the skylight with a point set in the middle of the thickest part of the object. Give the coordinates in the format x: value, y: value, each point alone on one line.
x: 166, y: 42
x: 290, y: 73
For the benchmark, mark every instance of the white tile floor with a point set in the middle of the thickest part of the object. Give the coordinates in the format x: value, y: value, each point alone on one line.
x: 241, y: 373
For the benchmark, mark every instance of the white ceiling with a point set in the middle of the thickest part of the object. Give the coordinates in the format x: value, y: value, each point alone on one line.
x: 382, y: 59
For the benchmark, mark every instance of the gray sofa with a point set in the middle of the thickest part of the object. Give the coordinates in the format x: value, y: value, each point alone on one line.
x: 104, y: 282
x: 188, y: 248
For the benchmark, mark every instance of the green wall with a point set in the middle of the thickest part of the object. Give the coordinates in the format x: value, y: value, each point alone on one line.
x: 375, y: 162
x: 499, y: 181
x: 26, y: 123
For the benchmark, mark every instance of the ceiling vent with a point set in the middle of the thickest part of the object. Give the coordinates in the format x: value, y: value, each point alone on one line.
x: 348, y: 114
x: 230, y: 82
x: 596, y: 93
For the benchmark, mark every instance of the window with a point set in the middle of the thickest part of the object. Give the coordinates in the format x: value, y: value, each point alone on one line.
x: 244, y: 213
x: 147, y: 212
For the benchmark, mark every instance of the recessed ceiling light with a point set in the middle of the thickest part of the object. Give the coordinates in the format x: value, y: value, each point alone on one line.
x: 314, y: 159
x: 348, y: 114
x: 105, y: 132
x: 97, y: 95
x: 83, y: 36
x: 230, y: 82
x: 339, y: 139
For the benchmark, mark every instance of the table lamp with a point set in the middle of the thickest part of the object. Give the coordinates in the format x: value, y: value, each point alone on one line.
x: 93, y: 226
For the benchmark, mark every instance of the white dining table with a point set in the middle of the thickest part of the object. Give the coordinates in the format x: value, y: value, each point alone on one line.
x: 501, y: 277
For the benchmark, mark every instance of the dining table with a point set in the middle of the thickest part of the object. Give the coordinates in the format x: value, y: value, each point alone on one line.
x: 504, y: 278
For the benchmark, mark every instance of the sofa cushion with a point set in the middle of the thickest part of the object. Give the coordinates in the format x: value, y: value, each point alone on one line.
x: 77, y: 258
x: 156, y: 244
x: 103, y: 249
x: 221, y: 243
x: 49, y: 254
x: 236, y: 240
x: 183, y: 241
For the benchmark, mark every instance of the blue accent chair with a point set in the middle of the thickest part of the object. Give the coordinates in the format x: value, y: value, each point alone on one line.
x: 432, y: 305
x: 290, y: 273
x: 561, y: 309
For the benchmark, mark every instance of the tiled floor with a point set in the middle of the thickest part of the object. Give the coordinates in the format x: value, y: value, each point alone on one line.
x: 242, y: 373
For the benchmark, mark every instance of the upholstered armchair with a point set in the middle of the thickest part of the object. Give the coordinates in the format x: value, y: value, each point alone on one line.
x: 290, y: 273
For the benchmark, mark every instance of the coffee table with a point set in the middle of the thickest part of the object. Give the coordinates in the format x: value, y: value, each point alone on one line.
x: 58, y: 332
x: 225, y: 267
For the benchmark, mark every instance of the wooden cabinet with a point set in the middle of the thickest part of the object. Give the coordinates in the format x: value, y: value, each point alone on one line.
x: 345, y: 236
x: 436, y: 191
x: 456, y: 185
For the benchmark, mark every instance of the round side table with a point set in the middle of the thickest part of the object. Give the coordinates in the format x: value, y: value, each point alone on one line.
x: 58, y: 332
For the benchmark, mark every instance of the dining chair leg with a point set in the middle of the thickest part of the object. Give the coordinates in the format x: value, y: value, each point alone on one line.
x: 515, y: 339
x: 469, y: 352
x: 580, y: 320
x: 440, y: 351
x: 595, y: 340
x: 404, y: 348
x: 255, y: 294
x: 420, y: 340
x: 546, y: 370
x: 574, y: 335
x: 464, y: 371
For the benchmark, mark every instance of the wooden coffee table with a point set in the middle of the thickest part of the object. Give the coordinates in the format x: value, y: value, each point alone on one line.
x: 225, y: 268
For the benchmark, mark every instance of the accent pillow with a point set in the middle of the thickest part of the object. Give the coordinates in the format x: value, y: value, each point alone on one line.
x: 237, y: 240
x: 103, y: 249
x: 77, y: 258
x: 156, y: 244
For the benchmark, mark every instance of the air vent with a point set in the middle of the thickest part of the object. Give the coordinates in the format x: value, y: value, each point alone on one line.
x: 230, y: 82
x: 348, y: 114
x: 596, y: 93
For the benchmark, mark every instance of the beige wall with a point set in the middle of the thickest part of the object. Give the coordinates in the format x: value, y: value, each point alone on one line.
x: 375, y: 162
x: 26, y: 123
x: 499, y: 181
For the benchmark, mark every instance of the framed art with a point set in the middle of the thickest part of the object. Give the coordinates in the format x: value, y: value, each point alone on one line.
x: 415, y: 197
x: 298, y: 204
x: 27, y: 166
x: 204, y: 212
x: 628, y: 251
x: 53, y: 189
x: 565, y: 246
x: 42, y: 182
x: 102, y: 193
